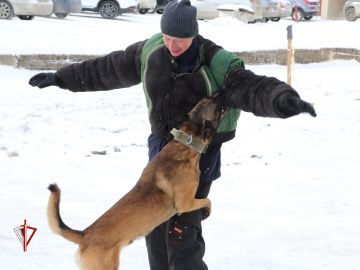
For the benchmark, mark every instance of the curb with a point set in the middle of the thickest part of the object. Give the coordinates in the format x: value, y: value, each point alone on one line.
x: 302, y: 56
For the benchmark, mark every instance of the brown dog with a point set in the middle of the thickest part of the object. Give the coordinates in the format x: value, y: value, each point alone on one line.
x: 167, y: 186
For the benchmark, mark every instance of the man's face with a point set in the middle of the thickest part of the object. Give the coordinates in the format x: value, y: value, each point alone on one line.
x: 177, y: 46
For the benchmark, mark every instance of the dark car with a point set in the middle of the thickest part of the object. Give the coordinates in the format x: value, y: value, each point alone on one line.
x: 63, y: 7
x: 304, y: 9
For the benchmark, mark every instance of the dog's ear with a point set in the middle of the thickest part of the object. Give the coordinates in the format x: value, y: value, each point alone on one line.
x: 218, y: 99
x: 207, y: 129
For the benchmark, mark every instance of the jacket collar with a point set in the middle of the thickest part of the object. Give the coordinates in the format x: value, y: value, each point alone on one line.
x: 191, y: 60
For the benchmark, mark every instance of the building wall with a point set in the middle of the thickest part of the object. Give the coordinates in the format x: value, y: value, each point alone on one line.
x: 332, y: 9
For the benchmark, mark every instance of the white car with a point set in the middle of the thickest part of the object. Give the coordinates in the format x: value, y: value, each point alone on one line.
x: 273, y: 9
x: 352, y: 10
x: 207, y: 9
x: 244, y: 13
x: 109, y: 9
x: 25, y: 9
x: 255, y: 10
x: 152, y: 6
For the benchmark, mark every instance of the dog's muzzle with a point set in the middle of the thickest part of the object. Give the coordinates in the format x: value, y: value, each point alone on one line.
x: 189, y: 140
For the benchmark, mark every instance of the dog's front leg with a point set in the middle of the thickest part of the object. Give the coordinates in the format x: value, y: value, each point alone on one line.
x: 187, y: 205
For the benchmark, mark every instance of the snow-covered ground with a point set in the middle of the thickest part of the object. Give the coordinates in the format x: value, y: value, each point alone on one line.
x: 288, y: 197
x: 90, y: 34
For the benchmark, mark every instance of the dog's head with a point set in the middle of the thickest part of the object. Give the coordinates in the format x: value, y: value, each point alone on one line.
x: 206, y: 116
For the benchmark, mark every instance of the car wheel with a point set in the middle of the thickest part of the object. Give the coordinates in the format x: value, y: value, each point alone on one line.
x: 6, y: 10
x: 108, y: 9
x: 143, y: 10
x: 61, y: 15
x: 26, y: 17
x: 350, y: 14
x: 264, y: 20
x: 307, y: 17
x: 160, y: 11
x: 297, y: 14
x: 275, y: 19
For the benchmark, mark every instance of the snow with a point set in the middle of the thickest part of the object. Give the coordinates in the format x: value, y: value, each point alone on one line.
x: 82, y: 33
x: 288, y: 197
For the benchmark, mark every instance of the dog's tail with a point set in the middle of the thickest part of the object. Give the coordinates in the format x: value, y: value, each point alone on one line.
x: 55, y: 222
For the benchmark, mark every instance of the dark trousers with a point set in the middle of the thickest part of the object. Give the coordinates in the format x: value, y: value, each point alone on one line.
x: 178, y: 244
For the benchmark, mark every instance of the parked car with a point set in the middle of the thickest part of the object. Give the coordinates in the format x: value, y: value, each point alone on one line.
x: 272, y: 10
x: 152, y: 6
x: 25, y: 9
x: 304, y: 9
x: 109, y: 9
x: 284, y: 10
x: 352, y: 10
x: 254, y: 10
x: 242, y: 12
x: 208, y: 9
x: 63, y: 7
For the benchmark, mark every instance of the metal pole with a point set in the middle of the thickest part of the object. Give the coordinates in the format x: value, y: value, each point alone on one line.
x: 290, y: 56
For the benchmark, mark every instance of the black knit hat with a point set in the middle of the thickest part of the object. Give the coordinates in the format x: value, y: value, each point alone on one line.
x: 179, y: 19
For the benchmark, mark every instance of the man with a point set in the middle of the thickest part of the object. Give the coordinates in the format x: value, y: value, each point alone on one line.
x: 177, y: 68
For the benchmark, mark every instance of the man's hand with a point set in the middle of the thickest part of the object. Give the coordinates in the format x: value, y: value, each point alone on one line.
x: 290, y: 105
x: 43, y: 80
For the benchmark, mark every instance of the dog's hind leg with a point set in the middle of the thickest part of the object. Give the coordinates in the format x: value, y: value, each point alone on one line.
x: 99, y: 258
x: 87, y: 259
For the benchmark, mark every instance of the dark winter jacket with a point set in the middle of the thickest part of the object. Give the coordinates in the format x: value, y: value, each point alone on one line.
x: 171, y: 94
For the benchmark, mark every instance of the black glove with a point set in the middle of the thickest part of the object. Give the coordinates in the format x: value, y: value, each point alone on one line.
x: 43, y: 80
x: 290, y: 105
